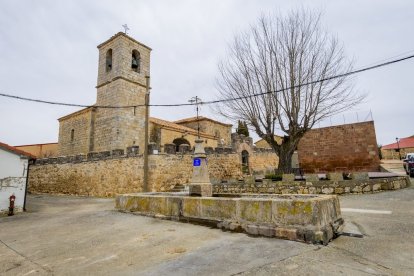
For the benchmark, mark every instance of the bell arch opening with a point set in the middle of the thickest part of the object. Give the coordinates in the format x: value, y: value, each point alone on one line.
x: 178, y: 142
x: 108, y: 60
x: 136, y: 61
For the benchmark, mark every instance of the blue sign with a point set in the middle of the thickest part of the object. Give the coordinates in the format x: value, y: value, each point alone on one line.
x: 196, y: 162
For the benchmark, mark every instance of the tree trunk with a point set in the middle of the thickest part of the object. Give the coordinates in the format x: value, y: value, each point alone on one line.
x: 285, y: 158
x: 286, y: 150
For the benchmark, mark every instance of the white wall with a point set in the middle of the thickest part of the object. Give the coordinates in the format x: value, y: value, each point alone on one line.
x: 13, y: 172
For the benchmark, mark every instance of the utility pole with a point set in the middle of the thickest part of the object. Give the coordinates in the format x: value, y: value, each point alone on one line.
x: 147, y: 94
x: 197, y: 102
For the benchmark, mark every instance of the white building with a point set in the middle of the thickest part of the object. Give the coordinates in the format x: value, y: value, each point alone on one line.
x: 13, y: 176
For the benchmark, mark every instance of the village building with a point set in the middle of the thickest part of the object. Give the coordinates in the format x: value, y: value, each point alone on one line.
x: 40, y: 150
x: 124, y: 65
x: 398, y: 149
x: 100, y: 147
x: 14, y: 166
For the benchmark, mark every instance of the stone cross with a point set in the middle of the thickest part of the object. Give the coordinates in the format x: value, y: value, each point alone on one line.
x: 126, y: 28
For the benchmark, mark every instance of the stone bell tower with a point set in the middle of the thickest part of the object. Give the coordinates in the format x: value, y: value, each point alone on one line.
x: 124, y: 64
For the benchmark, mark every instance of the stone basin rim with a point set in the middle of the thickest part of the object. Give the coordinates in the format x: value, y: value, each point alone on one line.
x: 244, y: 196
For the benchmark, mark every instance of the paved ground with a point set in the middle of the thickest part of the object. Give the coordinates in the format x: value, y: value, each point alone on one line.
x: 83, y: 236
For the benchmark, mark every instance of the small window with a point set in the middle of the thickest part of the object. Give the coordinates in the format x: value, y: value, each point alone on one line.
x: 109, y: 60
x: 72, y: 135
x: 136, y: 61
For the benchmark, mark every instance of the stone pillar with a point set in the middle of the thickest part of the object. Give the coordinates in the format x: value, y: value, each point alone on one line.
x: 200, y: 182
x: 133, y: 151
x: 169, y: 148
x: 153, y: 148
x: 184, y: 148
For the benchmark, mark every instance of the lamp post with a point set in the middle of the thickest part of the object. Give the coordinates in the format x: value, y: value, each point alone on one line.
x: 398, y: 145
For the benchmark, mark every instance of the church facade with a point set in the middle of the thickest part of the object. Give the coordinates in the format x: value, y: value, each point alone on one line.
x: 123, y: 71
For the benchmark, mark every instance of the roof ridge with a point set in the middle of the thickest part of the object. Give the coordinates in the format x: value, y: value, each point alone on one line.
x: 15, y: 150
x: 178, y: 126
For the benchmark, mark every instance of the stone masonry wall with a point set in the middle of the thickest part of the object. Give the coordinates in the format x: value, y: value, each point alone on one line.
x: 119, y: 128
x: 314, y: 187
x: 263, y: 162
x: 80, y: 123
x: 393, y: 154
x: 219, y: 130
x: 106, y: 174
x: 167, y: 136
x: 351, y: 147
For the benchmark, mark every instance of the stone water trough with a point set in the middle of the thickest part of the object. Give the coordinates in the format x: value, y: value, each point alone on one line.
x: 305, y: 218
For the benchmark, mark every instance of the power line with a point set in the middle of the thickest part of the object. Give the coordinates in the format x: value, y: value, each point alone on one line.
x: 215, y: 101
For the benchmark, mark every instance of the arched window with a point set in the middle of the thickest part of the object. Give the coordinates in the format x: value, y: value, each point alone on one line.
x: 178, y: 142
x: 72, y: 135
x: 136, y: 61
x: 109, y: 60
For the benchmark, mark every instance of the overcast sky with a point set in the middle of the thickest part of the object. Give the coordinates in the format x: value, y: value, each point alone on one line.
x: 48, y: 51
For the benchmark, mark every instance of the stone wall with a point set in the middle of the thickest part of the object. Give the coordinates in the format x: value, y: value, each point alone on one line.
x: 314, y: 187
x: 263, y: 162
x: 167, y: 136
x: 351, y: 147
x: 219, y: 130
x: 122, y: 127
x: 393, y: 154
x: 108, y: 173
x: 80, y: 123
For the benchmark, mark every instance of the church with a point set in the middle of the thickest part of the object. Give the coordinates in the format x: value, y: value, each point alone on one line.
x: 117, y: 120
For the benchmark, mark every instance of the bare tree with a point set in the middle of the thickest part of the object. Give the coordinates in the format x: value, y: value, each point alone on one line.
x: 279, y: 73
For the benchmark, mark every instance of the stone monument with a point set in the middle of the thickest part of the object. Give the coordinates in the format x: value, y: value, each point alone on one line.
x: 200, y: 183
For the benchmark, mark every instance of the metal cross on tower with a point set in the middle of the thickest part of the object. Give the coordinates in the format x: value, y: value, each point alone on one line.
x: 125, y: 28
x: 197, y: 102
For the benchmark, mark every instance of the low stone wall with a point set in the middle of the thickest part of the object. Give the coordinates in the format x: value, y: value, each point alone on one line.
x: 314, y: 187
x: 109, y: 173
x: 306, y: 218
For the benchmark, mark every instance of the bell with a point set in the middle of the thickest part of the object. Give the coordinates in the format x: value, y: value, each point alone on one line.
x: 134, y: 64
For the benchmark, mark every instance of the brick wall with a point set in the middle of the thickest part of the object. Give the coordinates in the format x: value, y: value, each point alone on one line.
x: 351, y: 147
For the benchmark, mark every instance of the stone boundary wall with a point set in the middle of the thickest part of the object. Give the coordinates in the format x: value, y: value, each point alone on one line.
x: 314, y: 187
x: 108, y: 173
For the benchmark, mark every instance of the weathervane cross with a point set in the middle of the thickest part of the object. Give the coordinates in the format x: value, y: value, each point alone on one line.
x: 126, y: 28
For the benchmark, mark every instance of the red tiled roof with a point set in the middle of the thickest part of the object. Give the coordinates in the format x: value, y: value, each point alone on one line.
x: 200, y: 118
x: 178, y: 127
x: 404, y: 143
x: 15, y: 150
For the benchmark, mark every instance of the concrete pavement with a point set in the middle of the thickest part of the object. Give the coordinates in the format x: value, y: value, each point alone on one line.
x: 77, y: 236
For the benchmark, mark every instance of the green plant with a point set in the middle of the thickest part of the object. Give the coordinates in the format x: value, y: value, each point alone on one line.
x: 274, y: 176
